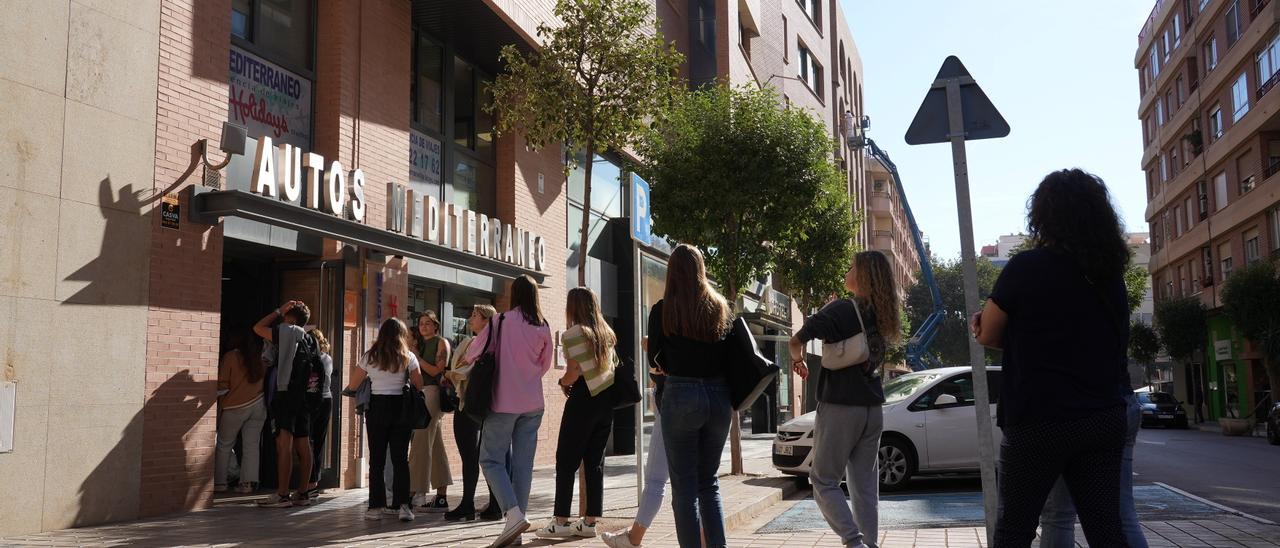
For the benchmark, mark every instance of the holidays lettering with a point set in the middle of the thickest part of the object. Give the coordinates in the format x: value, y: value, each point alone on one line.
x: 251, y: 108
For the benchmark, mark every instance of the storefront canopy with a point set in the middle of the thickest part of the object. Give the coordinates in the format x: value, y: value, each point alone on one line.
x: 209, y: 205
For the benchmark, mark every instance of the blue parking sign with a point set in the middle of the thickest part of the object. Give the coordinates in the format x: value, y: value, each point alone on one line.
x: 641, y: 222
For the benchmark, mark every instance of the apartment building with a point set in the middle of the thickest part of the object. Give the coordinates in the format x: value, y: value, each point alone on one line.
x: 1211, y: 150
x: 890, y: 231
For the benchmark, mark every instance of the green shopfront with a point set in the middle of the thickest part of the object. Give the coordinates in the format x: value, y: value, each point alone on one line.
x: 1234, y: 378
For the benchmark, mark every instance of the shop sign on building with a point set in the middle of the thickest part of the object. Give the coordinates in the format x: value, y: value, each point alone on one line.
x: 269, y: 100
x: 456, y: 227
x: 169, y: 211
x: 641, y: 222
x: 279, y: 173
x: 425, y: 162
x: 1222, y: 350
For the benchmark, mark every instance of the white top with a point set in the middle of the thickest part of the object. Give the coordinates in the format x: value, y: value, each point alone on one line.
x: 386, y: 383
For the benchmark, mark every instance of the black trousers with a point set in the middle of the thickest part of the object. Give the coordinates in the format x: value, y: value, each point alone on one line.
x: 466, y: 433
x: 1086, y: 452
x: 584, y: 433
x: 320, y: 410
x: 386, y: 433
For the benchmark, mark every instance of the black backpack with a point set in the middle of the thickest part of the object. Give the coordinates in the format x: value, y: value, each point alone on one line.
x: 306, y: 362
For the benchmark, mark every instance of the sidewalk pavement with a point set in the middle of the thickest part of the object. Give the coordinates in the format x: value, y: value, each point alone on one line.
x: 337, y: 520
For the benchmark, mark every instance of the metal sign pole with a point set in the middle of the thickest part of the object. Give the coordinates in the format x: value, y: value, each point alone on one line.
x: 640, y: 367
x: 977, y: 357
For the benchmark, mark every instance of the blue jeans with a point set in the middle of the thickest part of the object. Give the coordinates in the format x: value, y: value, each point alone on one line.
x: 655, y: 477
x: 695, y: 419
x: 1058, y: 519
x: 510, y: 478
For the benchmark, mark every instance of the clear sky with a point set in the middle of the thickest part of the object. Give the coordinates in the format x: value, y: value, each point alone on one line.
x: 1061, y: 73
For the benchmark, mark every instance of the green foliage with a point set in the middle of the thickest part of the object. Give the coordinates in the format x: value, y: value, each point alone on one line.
x: 898, y: 352
x: 951, y: 347
x: 1182, y: 326
x: 745, y: 179
x: 1144, y: 343
x: 812, y: 266
x: 1251, y: 298
x: 593, y: 83
x: 1135, y: 284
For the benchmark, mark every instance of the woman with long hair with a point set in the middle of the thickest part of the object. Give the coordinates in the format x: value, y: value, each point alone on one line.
x: 687, y: 331
x: 241, y: 411
x: 656, y: 472
x: 588, y: 415
x: 427, y: 459
x: 466, y: 431
x: 320, y: 406
x: 525, y: 352
x: 388, y: 364
x: 1059, y: 311
x: 846, y: 432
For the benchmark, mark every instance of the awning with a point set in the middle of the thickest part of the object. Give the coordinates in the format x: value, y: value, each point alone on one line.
x: 208, y: 205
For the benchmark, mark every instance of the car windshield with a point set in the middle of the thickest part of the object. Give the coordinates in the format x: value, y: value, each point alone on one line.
x: 1159, y: 397
x: 905, y: 386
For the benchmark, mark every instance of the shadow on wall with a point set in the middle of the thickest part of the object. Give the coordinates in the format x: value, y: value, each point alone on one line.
x: 115, y: 276
x: 182, y: 401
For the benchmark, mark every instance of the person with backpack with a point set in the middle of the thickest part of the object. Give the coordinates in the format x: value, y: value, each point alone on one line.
x: 850, y: 419
x: 320, y: 407
x: 588, y: 415
x: 392, y: 370
x: 298, y: 356
x: 525, y: 351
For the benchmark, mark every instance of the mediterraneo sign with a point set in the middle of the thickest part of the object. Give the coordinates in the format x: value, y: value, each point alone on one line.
x: 333, y: 190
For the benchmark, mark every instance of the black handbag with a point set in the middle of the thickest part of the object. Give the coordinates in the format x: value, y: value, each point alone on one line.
x: 483, y: 378
x: 414, y: 414
x: 626, y: 391
x: 749, y: 372
x: 448, y: 399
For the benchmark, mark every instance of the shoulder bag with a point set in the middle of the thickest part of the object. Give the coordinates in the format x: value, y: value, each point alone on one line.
x: 749, y: 373
x: 415, y: 414
x: 483, y: 378
x: 626, y: 390
x: 849, y: 352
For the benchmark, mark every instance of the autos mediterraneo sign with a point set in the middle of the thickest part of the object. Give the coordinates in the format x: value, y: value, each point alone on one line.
x: 333, y: 190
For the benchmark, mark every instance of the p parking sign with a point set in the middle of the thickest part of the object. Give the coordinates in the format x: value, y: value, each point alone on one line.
x: 641, y: 222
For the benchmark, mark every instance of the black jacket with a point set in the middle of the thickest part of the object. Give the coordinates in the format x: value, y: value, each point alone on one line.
x: 837, y: 321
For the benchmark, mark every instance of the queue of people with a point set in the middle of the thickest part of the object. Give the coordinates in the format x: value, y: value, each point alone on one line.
x: 1066, y: 408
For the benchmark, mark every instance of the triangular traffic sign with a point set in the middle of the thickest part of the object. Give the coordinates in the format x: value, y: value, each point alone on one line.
x: 981, y: 119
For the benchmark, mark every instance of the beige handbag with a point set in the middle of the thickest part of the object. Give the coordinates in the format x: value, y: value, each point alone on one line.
x: 849, y: 352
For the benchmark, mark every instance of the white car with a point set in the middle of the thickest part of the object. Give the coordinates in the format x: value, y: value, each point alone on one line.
x: 929, y: 428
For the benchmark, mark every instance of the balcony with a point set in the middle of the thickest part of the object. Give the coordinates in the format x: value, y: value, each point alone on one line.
x: 1272, y: 169
x: 1270, y: 83
x: 1150, y: 25
x: 1257, y: 8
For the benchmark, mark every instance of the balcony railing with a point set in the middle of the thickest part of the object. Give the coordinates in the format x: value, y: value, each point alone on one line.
x: 1272, y: 168
x: 1257, y: 7
x: 1270, y: 83
x: 1149, y: 27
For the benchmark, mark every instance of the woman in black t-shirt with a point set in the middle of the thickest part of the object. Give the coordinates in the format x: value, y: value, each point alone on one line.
x: 1059, y: 311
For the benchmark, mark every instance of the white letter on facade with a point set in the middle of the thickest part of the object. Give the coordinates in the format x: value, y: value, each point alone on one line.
x: 433, y: 219
x: 290, y: 172
x: 482, y: 235
x: 469, y: 229
x: 313, y: 163
x: 335, y: 189
x: 507, y: 237
x: 357, y: 196
x: 264, y: 173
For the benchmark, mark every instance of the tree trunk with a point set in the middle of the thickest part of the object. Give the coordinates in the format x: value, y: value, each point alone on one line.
x: 735, y: 425
x: 586, y: 213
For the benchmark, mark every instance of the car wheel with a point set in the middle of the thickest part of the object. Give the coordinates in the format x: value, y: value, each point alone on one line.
x: 897, y: 463
x: 1272, y: 435
x: 802, y: 482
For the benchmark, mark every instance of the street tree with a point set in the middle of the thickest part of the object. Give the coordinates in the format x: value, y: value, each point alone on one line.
x: 1181, y: 324
x: 739, y: 175
x: 1251, y: 298
x: 951, y: 345
x: 592, y: 84
x: 1136, y: 279
x: 1144, y: 346
x: 812, y: 266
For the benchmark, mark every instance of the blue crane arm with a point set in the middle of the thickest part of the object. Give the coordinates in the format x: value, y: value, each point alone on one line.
x: 918, y: 356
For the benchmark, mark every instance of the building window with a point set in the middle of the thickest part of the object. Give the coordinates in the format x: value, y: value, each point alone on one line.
x: 810, y: 70
x: 1240, y: 97
x: 1164, y: 41
x: 278, y: 29
x: 1181, y: 86
x: 1206, y: 265
x: 1215, y: 123
x: 1203, y: 3
x: 812, y: 8
x: 472, y: 124
x: 1233, y: 23
x: 1269, y: 61
x: 1177, y: 29
x: 1164, y: 168
x: 1183, y: 290
x: 1159, y: 111
x: 1224, y: 260
x: 1220, y: 191
x: 1154, y: 63
x: 1173, y: 161
x: 427, y: 93
x: 1177, y: 217
x: 1252, y: 246
x: 1202, y: 194
x: 1247, y: 184
x: 1190, y: 216
x: 1210, y: 54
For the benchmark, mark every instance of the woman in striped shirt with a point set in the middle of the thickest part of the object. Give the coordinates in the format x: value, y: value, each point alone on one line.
x: 588, y: 415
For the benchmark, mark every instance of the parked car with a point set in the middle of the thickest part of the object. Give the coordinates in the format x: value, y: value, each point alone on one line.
x: 1273, y: 424
x: 1161, y: 409
x: 929, y: 428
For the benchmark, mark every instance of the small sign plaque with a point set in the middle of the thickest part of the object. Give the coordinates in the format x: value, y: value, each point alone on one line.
x: 169, y: 217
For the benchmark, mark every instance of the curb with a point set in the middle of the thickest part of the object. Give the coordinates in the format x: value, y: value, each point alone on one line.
x: 780, y: 489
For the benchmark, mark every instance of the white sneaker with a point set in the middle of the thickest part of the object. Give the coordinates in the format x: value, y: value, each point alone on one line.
x: 555, y: 530
x: 515, y: 525
x: 373, y: 514
x: 584, y: 529
x: 405, y: 513
x: 390, y: 511
x: 620, y: 539
x: 419, y: 499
